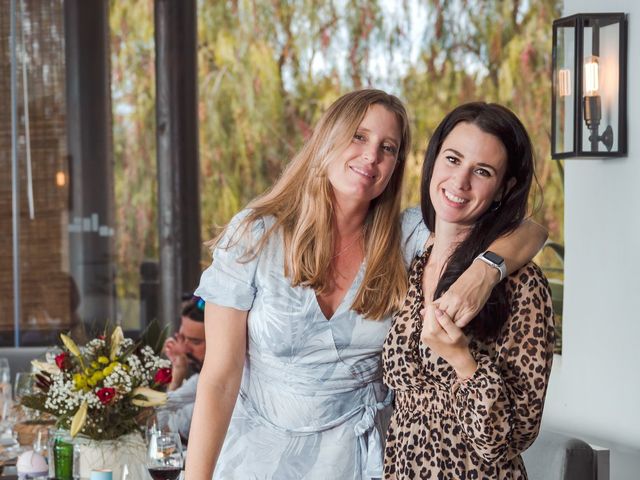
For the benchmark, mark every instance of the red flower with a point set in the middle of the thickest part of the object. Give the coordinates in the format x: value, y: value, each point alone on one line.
x: 106, y: 395
x: 62, y: 361
x: 163, y: 376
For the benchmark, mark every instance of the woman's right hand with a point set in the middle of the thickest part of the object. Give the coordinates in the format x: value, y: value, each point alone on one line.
x: 447, y: 340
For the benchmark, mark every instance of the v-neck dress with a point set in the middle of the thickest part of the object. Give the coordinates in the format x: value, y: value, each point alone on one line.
x: 311, y: 404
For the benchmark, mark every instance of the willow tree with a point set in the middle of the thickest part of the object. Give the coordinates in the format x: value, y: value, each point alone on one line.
x: 497, y: 51
x: 266, y: 71
x: 134, y: 140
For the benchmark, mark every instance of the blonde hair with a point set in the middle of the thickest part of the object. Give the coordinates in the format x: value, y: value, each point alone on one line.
x: 301, y: 204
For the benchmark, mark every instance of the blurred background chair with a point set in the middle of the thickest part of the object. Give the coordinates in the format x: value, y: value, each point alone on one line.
x: 555, y: 456
x: 20, y: 358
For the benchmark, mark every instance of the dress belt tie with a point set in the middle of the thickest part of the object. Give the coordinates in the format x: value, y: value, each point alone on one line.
x: 371, y: 448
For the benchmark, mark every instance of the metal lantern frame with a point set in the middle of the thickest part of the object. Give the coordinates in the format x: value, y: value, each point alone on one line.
x: 601, y: 143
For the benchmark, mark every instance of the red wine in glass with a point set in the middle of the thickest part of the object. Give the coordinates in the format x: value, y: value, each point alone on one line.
x: 164, y: 473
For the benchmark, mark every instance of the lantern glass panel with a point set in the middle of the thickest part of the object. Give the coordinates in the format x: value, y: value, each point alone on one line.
x: 564, y: 91
x: 601, y: 41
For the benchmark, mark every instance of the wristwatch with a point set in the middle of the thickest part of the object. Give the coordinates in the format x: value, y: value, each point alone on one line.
x: 494, y: 260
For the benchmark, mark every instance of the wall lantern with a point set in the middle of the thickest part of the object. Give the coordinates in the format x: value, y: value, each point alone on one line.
x: 589, y: 98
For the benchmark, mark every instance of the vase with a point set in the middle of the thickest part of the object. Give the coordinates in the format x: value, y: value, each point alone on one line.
x: 88, y: 454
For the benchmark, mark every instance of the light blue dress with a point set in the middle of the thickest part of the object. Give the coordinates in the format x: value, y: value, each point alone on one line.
x: 311, y: 404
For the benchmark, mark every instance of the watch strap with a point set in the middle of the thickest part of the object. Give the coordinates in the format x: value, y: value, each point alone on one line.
x: 498, y: 265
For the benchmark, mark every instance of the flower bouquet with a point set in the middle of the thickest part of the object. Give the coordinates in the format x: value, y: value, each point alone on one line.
x: 102, y: 389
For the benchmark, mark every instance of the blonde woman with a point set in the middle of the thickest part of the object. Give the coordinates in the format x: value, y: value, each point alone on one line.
x: 299, y: 297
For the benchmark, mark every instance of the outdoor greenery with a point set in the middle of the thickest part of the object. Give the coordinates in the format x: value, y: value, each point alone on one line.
x: 267, y: 70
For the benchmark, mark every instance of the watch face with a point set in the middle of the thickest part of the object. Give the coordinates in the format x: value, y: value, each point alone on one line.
x: 493, y: 257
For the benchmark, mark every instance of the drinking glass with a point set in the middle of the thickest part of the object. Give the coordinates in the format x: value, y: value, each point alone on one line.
x: 5, y: 392
x: 5, y: 370
x: 161, y: 421
x: 5, y: 379
x: 6, y: 416
x: 10, y: 415
x: 23, y: 386
x: 164, y: 455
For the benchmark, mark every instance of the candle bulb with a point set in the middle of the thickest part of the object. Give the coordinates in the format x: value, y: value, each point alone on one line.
x: 592, y: 103
x: 591, y: 76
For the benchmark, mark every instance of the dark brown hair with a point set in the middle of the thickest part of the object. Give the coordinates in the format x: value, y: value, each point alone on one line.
x: 497, y: 221
x: 193, y: 309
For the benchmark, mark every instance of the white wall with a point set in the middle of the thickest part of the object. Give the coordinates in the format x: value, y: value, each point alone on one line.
x: 595, y: 384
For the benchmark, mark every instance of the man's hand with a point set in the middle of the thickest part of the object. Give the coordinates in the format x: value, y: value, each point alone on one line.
x: 174, y: 347
x: 175, y: 350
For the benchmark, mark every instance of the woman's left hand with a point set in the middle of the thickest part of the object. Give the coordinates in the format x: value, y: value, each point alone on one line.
x: 447, y: 340
x: 467, y: 295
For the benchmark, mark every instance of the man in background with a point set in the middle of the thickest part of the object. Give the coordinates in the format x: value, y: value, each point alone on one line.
x: 186, y: 351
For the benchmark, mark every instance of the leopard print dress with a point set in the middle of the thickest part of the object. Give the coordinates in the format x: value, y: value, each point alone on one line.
x: 442, y: 428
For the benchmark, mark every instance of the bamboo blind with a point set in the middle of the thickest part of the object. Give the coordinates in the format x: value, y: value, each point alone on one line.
x: 49, y: 296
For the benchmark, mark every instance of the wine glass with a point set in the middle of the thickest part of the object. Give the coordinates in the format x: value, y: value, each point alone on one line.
x: 23, y: 385
x: 164, y: 455
x: 162, y: 420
